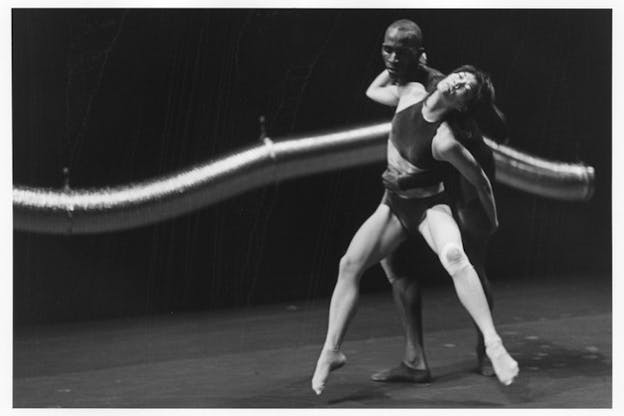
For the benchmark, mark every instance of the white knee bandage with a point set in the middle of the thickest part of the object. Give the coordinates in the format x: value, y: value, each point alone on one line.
x: 453, y: 258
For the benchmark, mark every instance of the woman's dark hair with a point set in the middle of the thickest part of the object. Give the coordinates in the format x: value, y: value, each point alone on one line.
x: 484, y: 93
x: 481, y: 114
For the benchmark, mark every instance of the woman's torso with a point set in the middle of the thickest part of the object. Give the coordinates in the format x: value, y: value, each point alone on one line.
x: 412, y: 136
x: 412, y: 170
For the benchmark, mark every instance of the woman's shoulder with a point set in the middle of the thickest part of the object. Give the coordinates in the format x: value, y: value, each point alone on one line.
x: 445, y: 137
x: 444, y: 130
x: 414, y: 87
x: 410, y: 94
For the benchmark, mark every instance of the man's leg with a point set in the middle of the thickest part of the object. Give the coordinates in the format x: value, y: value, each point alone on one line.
x: 406, y: 290
x: 407, y: 293
x: 408, y: 298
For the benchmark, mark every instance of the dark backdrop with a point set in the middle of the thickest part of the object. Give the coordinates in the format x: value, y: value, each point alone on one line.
x: 123, y: 95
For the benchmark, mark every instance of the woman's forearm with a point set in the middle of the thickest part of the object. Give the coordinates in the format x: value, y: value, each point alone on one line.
x: 383, y: 90
x: 381, y: 80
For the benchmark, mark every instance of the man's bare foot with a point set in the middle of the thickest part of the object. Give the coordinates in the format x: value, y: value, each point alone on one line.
x: 328, y: 361
x: 402, y: 374
x: 505, y: 367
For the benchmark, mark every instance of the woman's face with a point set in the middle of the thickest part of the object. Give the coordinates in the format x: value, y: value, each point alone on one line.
x: 458, y: 88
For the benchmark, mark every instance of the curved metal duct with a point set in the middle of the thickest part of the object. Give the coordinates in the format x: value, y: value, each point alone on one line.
x: 550, y: 179
x: 118, y: 208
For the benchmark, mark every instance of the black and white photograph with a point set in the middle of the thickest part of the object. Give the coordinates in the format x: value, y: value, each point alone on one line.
x: 312, y: 208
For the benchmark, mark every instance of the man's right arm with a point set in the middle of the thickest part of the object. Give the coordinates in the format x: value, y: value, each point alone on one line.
x: 433, y: 76
x: 383, y: 90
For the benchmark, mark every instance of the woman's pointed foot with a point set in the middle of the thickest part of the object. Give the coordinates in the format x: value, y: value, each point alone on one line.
x: 328, y: 361
x: 505, y: 367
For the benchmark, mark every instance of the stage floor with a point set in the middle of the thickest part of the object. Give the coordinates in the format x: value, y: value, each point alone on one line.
x: 263, y: 357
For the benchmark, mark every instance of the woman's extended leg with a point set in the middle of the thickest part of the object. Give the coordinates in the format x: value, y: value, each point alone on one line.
x: 475, y: 231
x: 379, y: 235
x: 445, y: 240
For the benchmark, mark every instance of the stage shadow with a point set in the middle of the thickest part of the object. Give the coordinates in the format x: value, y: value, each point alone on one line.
x: 535, y: 355
x: 542, y: 360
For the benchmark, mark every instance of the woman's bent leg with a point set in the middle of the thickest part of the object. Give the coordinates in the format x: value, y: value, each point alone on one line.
x: 379, y: 235
x: 448, y: 246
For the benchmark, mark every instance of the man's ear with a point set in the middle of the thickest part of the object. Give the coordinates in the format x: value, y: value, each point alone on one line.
x: 423, y: 58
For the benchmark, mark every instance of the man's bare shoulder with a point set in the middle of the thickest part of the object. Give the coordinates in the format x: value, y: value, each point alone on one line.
x: 430, y: 76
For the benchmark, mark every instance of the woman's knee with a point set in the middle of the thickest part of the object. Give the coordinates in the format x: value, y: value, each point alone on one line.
x: 454, y: 258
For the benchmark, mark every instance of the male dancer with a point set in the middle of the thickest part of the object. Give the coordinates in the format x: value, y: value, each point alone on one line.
x: 405, y: 62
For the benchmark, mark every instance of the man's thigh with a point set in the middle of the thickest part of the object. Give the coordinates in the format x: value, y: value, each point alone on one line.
x: 475, y: 229
x: 411, y: 260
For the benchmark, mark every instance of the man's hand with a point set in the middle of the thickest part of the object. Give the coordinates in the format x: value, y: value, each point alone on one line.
x: 422, y: 59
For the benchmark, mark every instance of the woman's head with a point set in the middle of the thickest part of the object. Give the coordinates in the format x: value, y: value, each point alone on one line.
x: 470, y: 92
x: 467, y: 88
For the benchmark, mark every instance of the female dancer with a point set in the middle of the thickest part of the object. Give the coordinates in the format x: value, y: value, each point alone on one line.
x: 415, y: 202
x: 468, y: 212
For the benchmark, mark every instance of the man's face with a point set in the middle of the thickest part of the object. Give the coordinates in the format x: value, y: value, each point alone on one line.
x: 399, y: 54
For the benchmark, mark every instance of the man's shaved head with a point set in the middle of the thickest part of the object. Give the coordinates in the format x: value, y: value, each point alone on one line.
x: 408, y: 31
x: 402, y: 49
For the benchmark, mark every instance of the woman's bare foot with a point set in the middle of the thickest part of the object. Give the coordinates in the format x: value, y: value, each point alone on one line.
x: 329, y: 361
x: 505, y: 367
